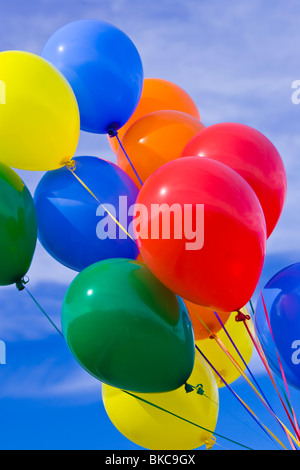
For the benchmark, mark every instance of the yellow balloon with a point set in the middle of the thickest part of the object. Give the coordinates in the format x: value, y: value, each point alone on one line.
x: 155, y: 429
x: 39, y: 115
x: 218, y: 358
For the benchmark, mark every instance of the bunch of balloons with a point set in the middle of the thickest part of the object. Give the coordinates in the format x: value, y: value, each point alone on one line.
x: 140, y: 306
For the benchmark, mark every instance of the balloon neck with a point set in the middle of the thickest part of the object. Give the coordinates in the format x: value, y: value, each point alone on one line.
x: 112, y: 133
x: 241, y: 316
x: 209, y: 443
x: 20, y: 285
x: 71, y: 165
x: 190, y: 388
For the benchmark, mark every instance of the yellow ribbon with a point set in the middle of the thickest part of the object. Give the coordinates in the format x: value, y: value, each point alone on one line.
x: 72, y: 167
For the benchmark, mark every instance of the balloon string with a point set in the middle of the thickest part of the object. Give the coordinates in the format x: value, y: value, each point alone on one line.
x: 21, y: 286
x: 71, y: 167
x: 252, y: 308
x: 235, y: 363
x: 245, y: 406
x: 113, y: 133
x: 269, y: 409
x: 238, y: 419
x: 264, y: 400
x: 241, y: 357
x: 279, y: 361
x: 186, y: 420
x: 264, y: 361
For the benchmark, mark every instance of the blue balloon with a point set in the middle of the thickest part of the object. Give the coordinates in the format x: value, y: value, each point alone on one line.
x: 73, y: 227
x: 104, y: 69
x: 282, y: 298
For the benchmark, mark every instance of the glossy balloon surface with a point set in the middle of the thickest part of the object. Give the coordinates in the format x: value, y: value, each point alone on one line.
x: 74, y: 226
x: 253, y: 156
x: 214, y: 252
x: 158, y: 95
x: 127, y: 329
x: 155, y: 429
x: 154, y: 140
x: 39, y: 117
x: 103, y: 68
x: 18, y: 227
x: 281, y: 295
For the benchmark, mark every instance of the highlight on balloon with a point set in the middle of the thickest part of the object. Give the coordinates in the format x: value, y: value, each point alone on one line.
x: 167, y: 244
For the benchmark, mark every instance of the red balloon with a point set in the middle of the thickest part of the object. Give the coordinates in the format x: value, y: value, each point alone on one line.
x: 201, y: 231
x: 253, y: 156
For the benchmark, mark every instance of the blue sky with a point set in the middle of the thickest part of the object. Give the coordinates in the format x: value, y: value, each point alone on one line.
x: 237, y: 60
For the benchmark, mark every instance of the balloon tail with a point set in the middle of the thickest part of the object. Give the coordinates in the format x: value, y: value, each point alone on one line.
x: 114, y: 133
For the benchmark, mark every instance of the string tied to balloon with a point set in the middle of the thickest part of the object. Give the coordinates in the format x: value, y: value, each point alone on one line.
x: 244, y: 318
x: 71, y: 166
x: 241, y: 316
x: 21, y: 285
x: 190, y: 388
x: 209, y: 443
x: 113, y: 133
x: 266, y: 430
x: 164, y: 410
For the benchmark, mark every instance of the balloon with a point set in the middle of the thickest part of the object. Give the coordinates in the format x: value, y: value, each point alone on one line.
x: 253, y: 156
x: 39, y: 118
x: 104, y: 69
x: 158, y: 95
x: 156, y: 429
x: 204, y: 320
x: 154, y: 140
x: 18, y: 227
x: 282, y: 300
x: 128, y: 330
x: 74, y: 228
x: 201, y: 231
x: 218, y: 358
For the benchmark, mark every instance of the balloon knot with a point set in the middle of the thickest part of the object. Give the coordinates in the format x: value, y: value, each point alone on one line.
x: 20, y: 285
x: 210, y: 442
x: 71, y: 165
x: 188, y: 388
x: 241, y: 316
x: 200, y: 390
x: 112, y: 133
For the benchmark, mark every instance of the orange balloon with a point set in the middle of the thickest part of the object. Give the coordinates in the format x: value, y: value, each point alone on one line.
x: 204, y: 320
x: 158, y: 95
x: 154, y: 140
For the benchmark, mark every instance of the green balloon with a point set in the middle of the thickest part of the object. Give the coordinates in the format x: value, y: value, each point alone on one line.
x: 127, y: 329
x: 18, y: 227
